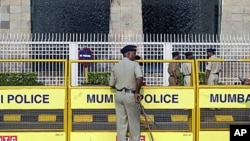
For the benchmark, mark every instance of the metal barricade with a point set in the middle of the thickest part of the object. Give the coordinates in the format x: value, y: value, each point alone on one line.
x: 222, y: 105
x: 30, y: 110
x: 91, y: 109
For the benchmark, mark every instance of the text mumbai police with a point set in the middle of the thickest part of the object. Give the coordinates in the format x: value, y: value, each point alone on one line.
x: 148, y: 98
x: 25, y: 99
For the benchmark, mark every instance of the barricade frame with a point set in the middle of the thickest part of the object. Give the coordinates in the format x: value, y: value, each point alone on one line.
x: 193, y: 78
x: 199, y: 87
x: 63, y: 87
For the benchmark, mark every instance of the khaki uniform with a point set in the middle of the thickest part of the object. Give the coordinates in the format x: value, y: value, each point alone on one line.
x: 128, y: 112
x: 214, y: 68
x: 187, y: 69
x: 173, y: 67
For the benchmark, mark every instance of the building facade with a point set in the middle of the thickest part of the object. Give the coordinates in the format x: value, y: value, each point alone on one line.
x: 235, y: 17
x: 15, y: 16
x: 126, y: 16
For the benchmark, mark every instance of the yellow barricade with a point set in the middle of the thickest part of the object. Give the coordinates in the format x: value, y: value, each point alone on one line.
x: 219, y: 106
x: 171, y: 110
x: 34, y: 113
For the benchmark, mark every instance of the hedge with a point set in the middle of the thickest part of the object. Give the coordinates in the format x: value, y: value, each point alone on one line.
x: 202, y: 76
x: 19, y: 79
x: 98, y: 78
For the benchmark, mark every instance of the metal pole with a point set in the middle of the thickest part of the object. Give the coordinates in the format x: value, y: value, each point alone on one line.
x: 145, y: 116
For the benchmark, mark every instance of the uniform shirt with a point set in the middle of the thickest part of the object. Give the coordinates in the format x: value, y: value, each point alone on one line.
x: 214, y: 67
x: 187, y: 68
x: 124, y: 74
x: 173, y: 67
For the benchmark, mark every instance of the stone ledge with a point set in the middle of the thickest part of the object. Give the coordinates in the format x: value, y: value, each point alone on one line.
x: 5, y: 16
x: 25, y: 17
x: 15, y: 2
x: 25, y: 2
x: 5, y: 9
x: 15, y: 17
x: 5, y: 2
x: 25, y: 9
x: 15, y: 9
x: 4, y: 25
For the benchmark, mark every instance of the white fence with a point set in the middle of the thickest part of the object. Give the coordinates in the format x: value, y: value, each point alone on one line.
x: 106, y: 47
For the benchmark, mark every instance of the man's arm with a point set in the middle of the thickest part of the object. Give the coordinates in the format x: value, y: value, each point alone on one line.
x: 112, y: 80
x: 138, y: 85
x: 207, y: 75
x: 139, y: 76
x: 208, y: 68
x: 189, y: 67
x: 174, y: 68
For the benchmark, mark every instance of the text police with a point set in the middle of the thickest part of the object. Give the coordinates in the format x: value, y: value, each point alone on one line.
x: 25, y: 99
x: 148, y: 98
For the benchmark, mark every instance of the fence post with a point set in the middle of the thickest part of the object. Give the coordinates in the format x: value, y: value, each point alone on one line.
x: 167, y: 55
x: 73, y: 55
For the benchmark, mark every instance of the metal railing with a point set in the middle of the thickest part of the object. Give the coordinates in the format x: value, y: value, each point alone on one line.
x: 219, y: 106
x: 153, y: 47
x: 230, y: 100
x: 27, y: 103
x: 85, y: 101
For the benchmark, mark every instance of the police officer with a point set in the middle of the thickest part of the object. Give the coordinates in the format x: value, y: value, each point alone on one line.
x: 212, y: 69
x: 187, y: 69
x: 173, y: 70
x: 126, y: 78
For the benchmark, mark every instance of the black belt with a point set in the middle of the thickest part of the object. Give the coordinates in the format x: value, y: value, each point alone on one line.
x: 187, y: 75
x: 216, y: 73
x: 126, y: 90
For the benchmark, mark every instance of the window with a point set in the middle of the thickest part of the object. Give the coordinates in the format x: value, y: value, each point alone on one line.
x: 63, y: 17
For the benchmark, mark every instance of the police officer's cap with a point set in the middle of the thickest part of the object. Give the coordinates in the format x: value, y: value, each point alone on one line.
x: 128, y: 48
x: 188, y: 53
x: 211, y: 50
x: 175, y: 53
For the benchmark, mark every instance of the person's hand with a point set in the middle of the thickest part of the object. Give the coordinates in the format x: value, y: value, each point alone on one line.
x: 246, y: 82
x: 246, y: 79
x: 206, y: 81
x: 176, y: 80
x: 137, y: 98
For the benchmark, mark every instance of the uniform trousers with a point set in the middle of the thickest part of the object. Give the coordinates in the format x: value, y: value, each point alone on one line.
x: 187, y: 80
x: 127, y: 116
x: 171, y: 81
x: 213, y: 79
